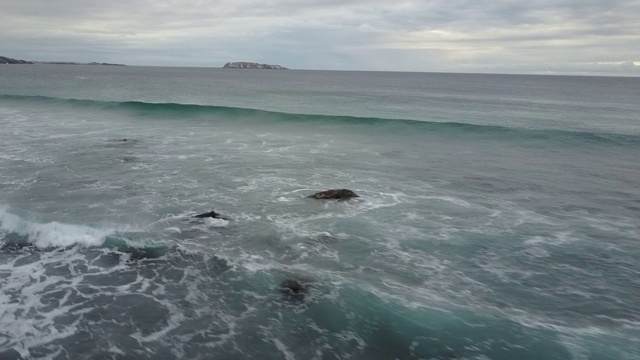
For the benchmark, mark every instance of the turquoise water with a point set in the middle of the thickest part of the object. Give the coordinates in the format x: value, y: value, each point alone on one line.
x: 497, y: 218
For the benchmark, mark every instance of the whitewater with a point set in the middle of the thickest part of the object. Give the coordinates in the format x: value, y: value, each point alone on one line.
x: 497, y: 217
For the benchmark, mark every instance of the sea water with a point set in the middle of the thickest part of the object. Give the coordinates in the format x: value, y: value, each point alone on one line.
x: 498, y: 215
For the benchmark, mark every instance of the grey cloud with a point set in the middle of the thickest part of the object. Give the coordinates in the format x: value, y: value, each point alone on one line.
x: 444, y: 35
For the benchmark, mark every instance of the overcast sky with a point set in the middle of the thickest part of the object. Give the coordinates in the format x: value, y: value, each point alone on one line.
x: 501, y: 36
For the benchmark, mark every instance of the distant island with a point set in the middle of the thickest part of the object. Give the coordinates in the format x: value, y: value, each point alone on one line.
x: 251, y: 65
x: 6, y: 60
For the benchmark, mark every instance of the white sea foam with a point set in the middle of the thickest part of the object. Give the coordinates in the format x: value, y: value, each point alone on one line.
x: 173, y: 229
x: 452, y: 200
x: 533, y: 321
x: 254, y: 263
x: 288, y: 355
x: 28, y: 282
x: 216, y: 222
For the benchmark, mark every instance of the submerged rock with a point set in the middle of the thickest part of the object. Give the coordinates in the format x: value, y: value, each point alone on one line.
x: 335, y: 194
x: 147, y: 253
x: 211, y: 214
x: 10, y: 354
x: 129, y: 159
x: 13, y: 242
x: 123, y: 140
x: 294, y: 288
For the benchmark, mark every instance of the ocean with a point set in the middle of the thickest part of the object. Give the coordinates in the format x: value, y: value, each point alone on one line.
x: 498, y: 215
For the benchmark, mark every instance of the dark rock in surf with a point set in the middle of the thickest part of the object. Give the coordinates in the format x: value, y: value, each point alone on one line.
x: 294, y: 288
x: 123, y: 141
x: 129, y: 159
x: 211, y: 214
x: 335, y: 194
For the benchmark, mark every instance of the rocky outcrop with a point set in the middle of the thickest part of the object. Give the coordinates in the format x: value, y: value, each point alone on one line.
x: 251, y: 65
x: 211, y: 214
x: 6, y: 60
x: 334, y: 194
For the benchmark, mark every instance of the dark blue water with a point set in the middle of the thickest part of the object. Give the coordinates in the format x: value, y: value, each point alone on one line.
x: 497, y: 217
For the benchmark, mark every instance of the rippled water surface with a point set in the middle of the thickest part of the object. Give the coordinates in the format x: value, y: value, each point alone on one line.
x: 497, y: 217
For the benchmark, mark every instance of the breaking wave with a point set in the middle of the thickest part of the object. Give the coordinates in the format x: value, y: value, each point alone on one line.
x: 17, y: 232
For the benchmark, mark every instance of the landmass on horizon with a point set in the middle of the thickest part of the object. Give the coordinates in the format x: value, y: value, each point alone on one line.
x: 252, y: 65
x: 6, y: 60
x: 74, y: 63
x: 229, y: 65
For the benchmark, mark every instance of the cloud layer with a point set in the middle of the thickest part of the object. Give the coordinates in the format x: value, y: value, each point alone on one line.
x: 542, y: 36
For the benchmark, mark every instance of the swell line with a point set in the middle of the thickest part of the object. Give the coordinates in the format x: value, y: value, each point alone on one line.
x: 182, y: 110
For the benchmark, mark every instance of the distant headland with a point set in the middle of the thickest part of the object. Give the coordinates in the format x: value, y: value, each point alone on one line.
x: 251, y: 65
x: 74, y: 63
x: 6, y: 60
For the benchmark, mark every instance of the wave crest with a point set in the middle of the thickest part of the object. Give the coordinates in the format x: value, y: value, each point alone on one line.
x: 182, y: 110
x: 52, y: 234
x: 18, y: 232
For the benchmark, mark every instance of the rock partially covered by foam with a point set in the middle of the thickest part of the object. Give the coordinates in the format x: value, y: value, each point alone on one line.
x: 294, y: 288
x: 335, y: 194
x: 212, y: 215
